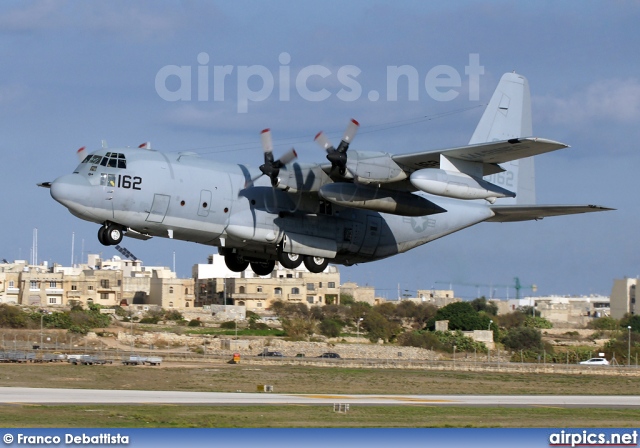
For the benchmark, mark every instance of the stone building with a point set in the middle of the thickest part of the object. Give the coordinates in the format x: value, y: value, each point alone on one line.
x: 215, y: 284
x: 106, y: 282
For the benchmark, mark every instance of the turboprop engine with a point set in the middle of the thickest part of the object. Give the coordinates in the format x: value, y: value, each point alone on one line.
x: 454, y: 184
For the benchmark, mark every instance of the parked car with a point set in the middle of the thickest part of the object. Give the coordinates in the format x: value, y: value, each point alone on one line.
x: 595, y: 362
x: 329, y: 355
x: 276, y: 354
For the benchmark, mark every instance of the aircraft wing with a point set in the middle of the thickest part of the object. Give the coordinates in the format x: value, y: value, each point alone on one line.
x: 512, y: 213
x: 487, y: 153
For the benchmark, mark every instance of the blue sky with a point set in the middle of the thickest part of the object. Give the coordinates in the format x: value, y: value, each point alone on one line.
x: 74, y: 73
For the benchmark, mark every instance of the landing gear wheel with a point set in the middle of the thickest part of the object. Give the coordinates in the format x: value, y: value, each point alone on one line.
x: 113, y: 234
x: 235, y: 262
x: 315, y: 264
x: 110, y: 234
x: 289, y: 261
x: 263, y: 267
x: 102, y: 236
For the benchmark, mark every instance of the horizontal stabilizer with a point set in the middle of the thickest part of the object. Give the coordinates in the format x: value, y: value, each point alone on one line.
x: 486, y: 153
x: 513, y: 213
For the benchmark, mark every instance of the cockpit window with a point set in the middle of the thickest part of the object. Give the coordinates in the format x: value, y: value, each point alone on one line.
x: 111, y: 159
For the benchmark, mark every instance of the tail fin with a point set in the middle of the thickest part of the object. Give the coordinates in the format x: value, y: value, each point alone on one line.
x: 508, y: 116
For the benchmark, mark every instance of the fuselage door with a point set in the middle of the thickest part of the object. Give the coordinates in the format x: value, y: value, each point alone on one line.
x: 371, y: 235
x: 159, y: 208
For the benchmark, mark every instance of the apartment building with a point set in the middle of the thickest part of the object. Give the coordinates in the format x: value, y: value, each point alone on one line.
x: 215, y: 284
x: 106, y: 282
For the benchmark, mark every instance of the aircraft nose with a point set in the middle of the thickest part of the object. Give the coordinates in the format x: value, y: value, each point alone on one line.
x: 70, y: 189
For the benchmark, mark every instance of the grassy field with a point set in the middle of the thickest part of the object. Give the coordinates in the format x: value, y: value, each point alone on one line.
x: 296, y: 379
x: 146, y: 416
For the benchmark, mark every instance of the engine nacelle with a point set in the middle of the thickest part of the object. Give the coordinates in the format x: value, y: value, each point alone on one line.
x: 368, y: 167
x: 453, y: 184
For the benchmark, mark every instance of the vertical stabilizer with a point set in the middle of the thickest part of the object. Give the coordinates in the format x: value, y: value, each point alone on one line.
x: 508, y: 116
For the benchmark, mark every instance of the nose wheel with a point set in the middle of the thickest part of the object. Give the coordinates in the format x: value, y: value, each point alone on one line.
x: 110, y: 234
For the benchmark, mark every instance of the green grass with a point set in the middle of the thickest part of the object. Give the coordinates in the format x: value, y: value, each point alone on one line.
x: 149, y: 416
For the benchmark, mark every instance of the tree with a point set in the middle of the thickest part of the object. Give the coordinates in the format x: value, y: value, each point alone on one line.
x: 347, y: 299
x: 632, y: 321
x: 379, y: 327
x: 482, y: 304
x: 461, y: 316
x: 358, y: 310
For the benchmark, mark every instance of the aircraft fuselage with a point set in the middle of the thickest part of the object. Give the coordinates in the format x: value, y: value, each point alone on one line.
x: 189, y: 198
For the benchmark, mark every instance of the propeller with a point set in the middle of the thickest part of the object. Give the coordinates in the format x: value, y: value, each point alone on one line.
x: 271, y: 167
x: 338, y: 157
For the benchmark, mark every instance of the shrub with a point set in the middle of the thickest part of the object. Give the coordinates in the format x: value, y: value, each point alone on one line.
x: 523, y: 338
x: 330, y: 328
x: 174, y: 315
x: 194, y: 323
x: 149, y: 320
x: 604, y: 323
x: 228, y: 325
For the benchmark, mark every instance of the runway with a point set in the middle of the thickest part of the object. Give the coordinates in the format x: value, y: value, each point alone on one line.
x: 24, y: 395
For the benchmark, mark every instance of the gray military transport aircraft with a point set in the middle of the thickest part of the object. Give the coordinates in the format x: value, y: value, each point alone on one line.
x: 361, y: 206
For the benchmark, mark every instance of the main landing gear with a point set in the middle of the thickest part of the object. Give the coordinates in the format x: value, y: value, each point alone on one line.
x: 237, y: 263
x: 110, y: 234
x: 315, y: 264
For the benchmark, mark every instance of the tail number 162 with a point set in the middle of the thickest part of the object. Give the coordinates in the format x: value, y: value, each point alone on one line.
x: 127, y: 181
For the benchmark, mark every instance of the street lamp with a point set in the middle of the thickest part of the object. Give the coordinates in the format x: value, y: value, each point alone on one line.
x: 41, y: 317
x: 629, y: 348
x: 489, y: 327
x: 360, y: 319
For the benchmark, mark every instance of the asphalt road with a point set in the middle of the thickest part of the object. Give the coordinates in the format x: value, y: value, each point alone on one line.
x: 15, y: 395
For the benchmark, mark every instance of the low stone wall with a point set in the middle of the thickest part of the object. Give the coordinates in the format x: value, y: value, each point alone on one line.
x: 253, y: 346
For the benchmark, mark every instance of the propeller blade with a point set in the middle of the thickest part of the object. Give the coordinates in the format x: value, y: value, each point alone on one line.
x: 250, y: 181
x: 348, y: 136
x: 267, y: 143
x: 288, y: 157
x: 82, y: 152
x: 324, y: 142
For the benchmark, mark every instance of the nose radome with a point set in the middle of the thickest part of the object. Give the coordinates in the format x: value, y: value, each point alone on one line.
x: 70, y: 189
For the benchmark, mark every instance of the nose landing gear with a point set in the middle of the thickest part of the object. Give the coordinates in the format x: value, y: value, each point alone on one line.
x: 110, y: 234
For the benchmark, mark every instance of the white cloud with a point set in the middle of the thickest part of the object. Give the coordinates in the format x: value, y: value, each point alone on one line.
x: 616, y: 100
